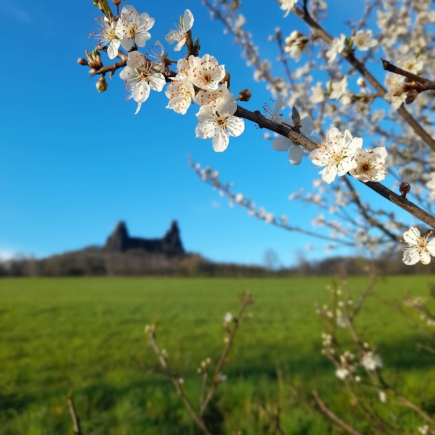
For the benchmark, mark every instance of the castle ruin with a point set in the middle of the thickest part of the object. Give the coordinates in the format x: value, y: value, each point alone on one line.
x: 170, y: 244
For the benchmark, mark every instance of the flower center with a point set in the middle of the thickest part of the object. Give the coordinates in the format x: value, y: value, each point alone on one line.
x: 221, y: 122
x: 145, y: 75
x: 365, y: 167
x: 421, y: 244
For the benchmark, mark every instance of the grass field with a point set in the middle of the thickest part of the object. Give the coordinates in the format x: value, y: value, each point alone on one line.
x: 87, y: 336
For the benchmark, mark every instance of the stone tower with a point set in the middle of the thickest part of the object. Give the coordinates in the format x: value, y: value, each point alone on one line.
x: 170, y: 244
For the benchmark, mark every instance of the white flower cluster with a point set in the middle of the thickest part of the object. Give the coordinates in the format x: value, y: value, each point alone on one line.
x: 419, y: 248
x: 198, y: 79
x: 132, y: 28
x: 341, y: 153
x: 362, y: 41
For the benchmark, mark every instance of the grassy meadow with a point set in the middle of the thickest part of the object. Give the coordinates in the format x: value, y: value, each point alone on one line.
x: 86, y: 335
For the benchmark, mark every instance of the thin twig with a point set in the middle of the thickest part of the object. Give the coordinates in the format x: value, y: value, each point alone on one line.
x: 75, y: 419
x: 178, y: 386
x: 333, y: 417
x: 224, y: 357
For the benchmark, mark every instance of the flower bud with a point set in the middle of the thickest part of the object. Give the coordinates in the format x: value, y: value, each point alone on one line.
x: 245, y: 95
x: 296, y: 117
x: 404, y: 189
x: 102, y: 84
x: 116, y: 2
x: 82, y: 61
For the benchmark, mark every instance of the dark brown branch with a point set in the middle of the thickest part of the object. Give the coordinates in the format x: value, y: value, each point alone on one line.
x: 333, y: 417
x: 427, y: 84
x: 414, y: 84
x: 360, y: 67
x: 299, y: 138
x: 75, y: 419
x: 110, y: 68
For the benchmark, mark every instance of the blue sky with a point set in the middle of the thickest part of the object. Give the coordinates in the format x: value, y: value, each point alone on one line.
x: 74, y: 161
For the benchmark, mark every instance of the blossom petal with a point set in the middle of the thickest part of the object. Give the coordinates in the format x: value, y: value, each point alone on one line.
x: 296, y: 154
x: 141, y: 92
x: 205, y: 129
x: 235, y: 126
x: 220, y: 141
x: 431, y: 247
x: 281, y: 143
x: 126, y: 73
x: 411, y: 236
x: 279, y: 103
x: 410, y: 257
x: 146, y: 21
x: 381, y: 151
x: 172, y: 36
x: 127, y: 43
x: 138, y: 108
x: 425, y: 257
x: 307, y: 126
x: 112, y: 51
x: 142, y: 38
x: 157, y: 82
x: 187, y: 20
x: 180, y: 44
x: 329, y: 173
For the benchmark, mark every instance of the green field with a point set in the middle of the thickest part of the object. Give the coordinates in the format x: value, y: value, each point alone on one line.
x: 87, y: 336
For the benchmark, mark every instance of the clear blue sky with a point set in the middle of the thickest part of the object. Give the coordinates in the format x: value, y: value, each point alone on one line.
x: 74, y: 162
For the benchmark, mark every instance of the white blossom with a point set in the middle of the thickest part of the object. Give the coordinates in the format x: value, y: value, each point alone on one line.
x: 368, y: 165
x: 222, y: 377
x: 295, y: 44
x: 179, y: 35
x: 207, y: 73
x: 363, y: 40
x: 382, y: 396
x: 296, y: 152
x: 140, y: 79
x: 424, y: 429
x: 287, y: 6
x: 317, y: 93
x: 180, y: 94
x: 338, y: 88
x: 211, y: 98
x: 342, y: 373
x: 228, y: 317
x: 219, y: 123
x: 419, y: 248
x: 108, y: 38
x: 412, y: 64
x: 337, y: 46
x: 273, y: 114
x: 393, y: 81
x: 371, y: 361
x: 158, y: 56
x: 133, y: 27
x: 335, y: 153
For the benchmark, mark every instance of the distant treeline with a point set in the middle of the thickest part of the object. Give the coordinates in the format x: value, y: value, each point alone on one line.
x: 98, y: 262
